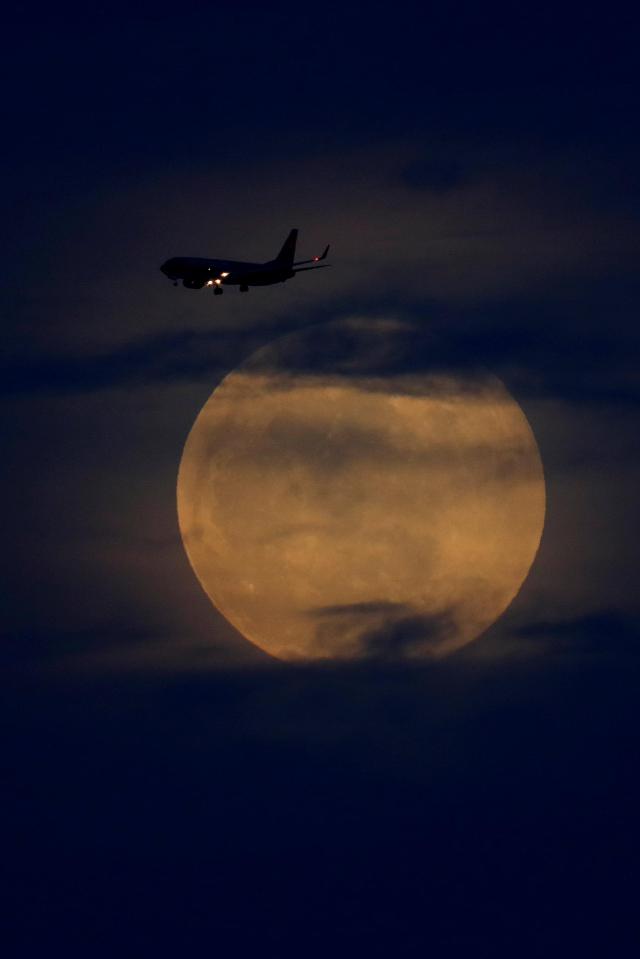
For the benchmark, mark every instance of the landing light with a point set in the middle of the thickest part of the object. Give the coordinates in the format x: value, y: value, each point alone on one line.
x: 218, y: 282
x: 224, y: 274
x: 209, y: 282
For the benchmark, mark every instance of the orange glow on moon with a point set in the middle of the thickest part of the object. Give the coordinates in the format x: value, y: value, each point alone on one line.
x: 335, y: 516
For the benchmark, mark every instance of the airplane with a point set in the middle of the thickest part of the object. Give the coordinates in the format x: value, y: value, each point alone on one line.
x: 199, y: 272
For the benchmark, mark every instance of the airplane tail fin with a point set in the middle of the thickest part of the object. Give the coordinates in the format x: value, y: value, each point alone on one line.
x: 288, y: 251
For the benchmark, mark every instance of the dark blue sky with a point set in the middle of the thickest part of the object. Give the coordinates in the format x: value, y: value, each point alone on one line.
x: 476, y: 174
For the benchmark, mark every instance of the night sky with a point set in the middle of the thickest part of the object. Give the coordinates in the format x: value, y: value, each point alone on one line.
x: 168, y: 786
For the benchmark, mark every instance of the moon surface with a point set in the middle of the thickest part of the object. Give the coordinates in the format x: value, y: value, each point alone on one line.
x: 335, y: 505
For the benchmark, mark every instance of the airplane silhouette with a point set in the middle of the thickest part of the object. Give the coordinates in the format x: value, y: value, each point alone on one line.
x: 199, y: 272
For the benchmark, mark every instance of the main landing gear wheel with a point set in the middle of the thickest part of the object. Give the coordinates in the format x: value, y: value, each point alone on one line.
x: 244, y: 288
x: 218, y: 291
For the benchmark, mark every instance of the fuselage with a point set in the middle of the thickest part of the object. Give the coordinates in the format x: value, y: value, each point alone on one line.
x: 196, y: 272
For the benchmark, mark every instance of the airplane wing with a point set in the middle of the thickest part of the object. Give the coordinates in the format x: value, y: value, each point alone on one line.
x: 321, y: 266
x: 314, y: 259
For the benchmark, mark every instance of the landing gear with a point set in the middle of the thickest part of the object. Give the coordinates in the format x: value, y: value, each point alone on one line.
x: 218, y: 291
x: 175, y: 282
x: 244, y: 288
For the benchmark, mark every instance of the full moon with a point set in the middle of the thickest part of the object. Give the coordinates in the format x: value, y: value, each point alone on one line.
x: 339, y: 500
